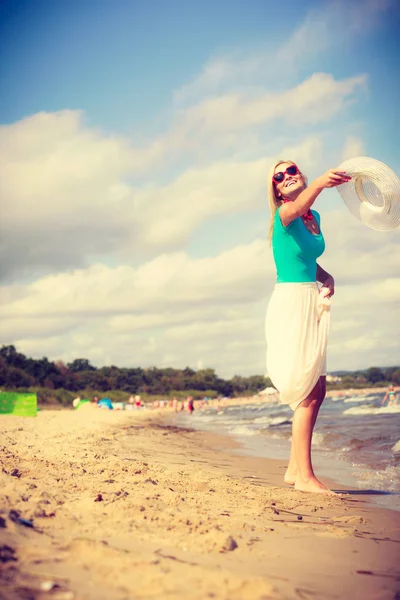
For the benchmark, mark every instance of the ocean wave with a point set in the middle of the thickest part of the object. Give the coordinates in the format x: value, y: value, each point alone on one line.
x: 262, y: 420
x: 387, y: 479
x: 273, y: 421
x: 372, y: 410
x: 359, y: 399
x: 243, y: 430
x: 318, y: 439
x: 396, y: 448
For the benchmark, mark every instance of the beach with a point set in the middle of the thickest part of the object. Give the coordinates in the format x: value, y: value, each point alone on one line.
x: 117, y: 505
x: 356, y: 441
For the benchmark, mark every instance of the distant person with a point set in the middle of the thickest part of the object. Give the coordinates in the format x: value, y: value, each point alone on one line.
x: 96, y: 400
x: 297, y: 320
x: 175, y: 404
x: 138, y: 402
x: 190, y: 404
x: 391, y: 396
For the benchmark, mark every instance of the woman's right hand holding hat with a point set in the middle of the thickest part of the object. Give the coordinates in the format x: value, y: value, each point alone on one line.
x: 333, y: 178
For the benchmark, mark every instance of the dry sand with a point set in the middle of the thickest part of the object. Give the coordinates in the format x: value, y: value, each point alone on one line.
x: 126, y: 506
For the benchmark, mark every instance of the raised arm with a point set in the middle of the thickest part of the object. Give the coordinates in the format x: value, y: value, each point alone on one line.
x: 291, y: 210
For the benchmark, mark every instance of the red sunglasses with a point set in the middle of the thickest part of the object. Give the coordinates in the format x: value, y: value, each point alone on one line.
x: 279, y: 177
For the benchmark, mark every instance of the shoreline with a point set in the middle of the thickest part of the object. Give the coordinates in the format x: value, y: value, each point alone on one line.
x: 340, y: 471
x: 269, y: 398
x: 128, y: 505
x: 230, y: 401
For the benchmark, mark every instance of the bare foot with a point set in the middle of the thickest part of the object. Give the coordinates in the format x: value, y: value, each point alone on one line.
x: 290, y: 477
x: 312, y: 485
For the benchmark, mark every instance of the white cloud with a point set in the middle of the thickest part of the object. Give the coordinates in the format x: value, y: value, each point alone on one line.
x: 169, y: 214
x: 355, y: 253
x: 316, y: 99
x: 172, y: 280
x: 93, y: 212
x: 327, y: 27
x: 353, y: 148
x: 38, y: 328
x: 96, y: 213
x: 174, y: 309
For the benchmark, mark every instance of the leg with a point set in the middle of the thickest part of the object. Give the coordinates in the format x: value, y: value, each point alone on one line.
x: 317, y: 397
x: 291, y: 471
x: 303, y: 425
x: 321, y: 397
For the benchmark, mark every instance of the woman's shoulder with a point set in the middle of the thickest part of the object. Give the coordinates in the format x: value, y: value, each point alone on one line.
x: 278, y: 223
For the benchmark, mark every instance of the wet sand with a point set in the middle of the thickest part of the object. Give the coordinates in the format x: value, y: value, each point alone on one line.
x: 124, y: 505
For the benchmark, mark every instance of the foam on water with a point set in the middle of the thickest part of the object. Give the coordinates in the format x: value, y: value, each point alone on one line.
x: 243, y: 430
x: 318, y: 439
x: 272, y: 421
x: 359, y: 442
x: 355, y: 399
x: 387, y: 479
x: 396, y: 448
x: 372, y: 410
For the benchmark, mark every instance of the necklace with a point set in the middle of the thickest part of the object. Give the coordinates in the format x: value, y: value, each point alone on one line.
x: 308, y: 216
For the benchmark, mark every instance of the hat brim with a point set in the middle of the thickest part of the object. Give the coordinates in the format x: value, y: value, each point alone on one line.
x: 373, y: 194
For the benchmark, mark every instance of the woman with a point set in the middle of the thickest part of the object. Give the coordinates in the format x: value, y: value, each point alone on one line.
x: 391, y: 395
x: 297, y: 322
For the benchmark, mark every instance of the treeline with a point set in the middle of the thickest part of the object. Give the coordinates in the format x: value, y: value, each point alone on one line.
x: 19, y: 371
x: 374, y: 376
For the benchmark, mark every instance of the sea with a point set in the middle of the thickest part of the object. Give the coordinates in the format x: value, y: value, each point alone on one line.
x: 356, y: 440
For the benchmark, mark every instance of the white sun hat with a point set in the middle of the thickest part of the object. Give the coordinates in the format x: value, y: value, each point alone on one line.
x: 373, y: 194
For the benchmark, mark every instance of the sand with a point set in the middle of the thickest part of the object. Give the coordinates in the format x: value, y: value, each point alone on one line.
x: 124, y: 505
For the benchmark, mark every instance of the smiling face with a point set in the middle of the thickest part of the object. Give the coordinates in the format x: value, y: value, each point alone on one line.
x: 291, y: 186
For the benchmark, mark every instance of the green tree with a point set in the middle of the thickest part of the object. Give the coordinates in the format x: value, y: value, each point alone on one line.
x: 396, y: 377
x: 374, y: 374
x: 224, y: 387
x: 256, y: 383
x: 80, y: 364
x: 239, y: 384
x: 16, y: 378
x: 12, y: 357
x: 94, y: 380
x: 348, y: 380
x: 389, y: 373
x: 43, y: 369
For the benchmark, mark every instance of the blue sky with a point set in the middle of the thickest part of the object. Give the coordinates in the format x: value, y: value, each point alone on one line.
x: 135, y: 141
x: 127, y: 55
x: 121, y: 61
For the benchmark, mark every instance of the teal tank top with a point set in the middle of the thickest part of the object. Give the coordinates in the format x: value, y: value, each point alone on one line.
x: 296, y: 250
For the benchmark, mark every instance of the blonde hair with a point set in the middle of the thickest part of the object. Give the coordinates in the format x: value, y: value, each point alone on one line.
x: 272, y: 197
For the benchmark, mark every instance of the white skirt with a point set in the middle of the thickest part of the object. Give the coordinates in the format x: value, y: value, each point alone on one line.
x: 297, y: 328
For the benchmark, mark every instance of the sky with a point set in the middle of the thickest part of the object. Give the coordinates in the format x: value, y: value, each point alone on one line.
x: 136, y: 138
